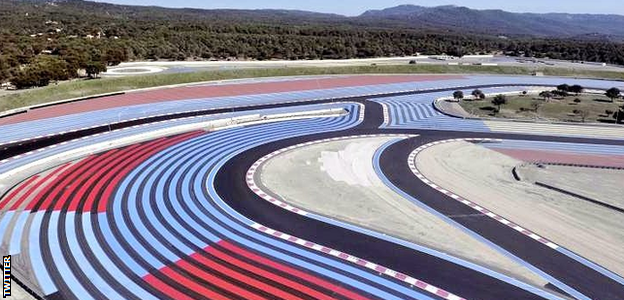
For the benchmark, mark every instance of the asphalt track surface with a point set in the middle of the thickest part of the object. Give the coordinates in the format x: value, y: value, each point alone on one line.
x: 464, y: 282
x: 135, y: 207
x: 16, y: 148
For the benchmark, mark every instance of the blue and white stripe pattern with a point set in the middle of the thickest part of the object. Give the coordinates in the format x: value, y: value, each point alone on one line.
x: 150, y: 127
x: 36, y: 128
x: 157, y: 227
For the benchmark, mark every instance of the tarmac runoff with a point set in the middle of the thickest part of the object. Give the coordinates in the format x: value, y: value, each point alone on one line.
x: 346, y: 188
x: 484, y: 177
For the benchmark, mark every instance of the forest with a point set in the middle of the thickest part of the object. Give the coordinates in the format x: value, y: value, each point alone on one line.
x: 42, y: 42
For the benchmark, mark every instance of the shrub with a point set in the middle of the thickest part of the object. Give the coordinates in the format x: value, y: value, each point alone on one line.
x: 458, y: 95
x: 563, y: 88
x: 577, y: 89
x: 499, y: 100
x: 613, y: 93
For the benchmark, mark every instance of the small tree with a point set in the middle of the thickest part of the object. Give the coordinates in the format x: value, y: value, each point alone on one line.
x: 477, y: 94
x: 583, y: 114
x: 458, y: 95
x: 559, y: 93
x: 546, y: 95
x: 499, y: 100
x: 618, y: 115
x: 93, y: 69
x: 577, y: 100
x: 613, y: 93
x: 576, y: 89
x: 524, y: 93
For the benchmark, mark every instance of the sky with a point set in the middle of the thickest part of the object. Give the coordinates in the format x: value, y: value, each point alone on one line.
x: 356, y: 7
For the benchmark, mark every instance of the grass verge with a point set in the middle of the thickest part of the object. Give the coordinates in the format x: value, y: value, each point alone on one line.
x: 81, y: 88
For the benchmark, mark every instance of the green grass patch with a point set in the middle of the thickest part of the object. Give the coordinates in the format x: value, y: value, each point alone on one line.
x: 592, y: 107
x: 81, y: 88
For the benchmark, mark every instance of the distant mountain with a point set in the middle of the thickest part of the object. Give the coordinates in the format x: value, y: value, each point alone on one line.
x: 397, y: 11
x: 139, y: 12
x: 440, y: 19
x: 499, y: 22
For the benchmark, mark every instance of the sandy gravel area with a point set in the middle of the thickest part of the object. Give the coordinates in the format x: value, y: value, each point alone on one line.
x: 484, y: 176
x: 18, y: 293
x: 606, y: 132
x: 337, y: 179
x: 453, y: 108
x: 581, y: 181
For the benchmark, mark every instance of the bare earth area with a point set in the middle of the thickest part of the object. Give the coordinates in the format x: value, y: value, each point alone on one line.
x: 484, y: 177
x: 337, y: 180
x: 581, y: 181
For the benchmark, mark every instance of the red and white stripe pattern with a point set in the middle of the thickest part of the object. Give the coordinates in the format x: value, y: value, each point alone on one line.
x: 411, y: 161
x: 250, y: 178
x: 361, y: 262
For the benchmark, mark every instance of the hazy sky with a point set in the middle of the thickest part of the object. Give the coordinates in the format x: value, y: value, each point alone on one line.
x: 356, y: 7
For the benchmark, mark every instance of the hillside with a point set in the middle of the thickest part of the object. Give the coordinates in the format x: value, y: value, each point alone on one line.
x: 500, y: 22
x: 448, y: 18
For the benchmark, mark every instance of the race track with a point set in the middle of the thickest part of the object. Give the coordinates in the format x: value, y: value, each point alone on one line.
x: 147, y: 195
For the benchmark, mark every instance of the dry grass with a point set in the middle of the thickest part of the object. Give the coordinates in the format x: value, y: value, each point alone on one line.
x: 520, y: 107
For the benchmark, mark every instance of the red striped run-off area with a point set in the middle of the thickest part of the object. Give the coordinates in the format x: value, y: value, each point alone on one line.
x: 85, y: 185
x: 225, y: 271
x: 560, y: 157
